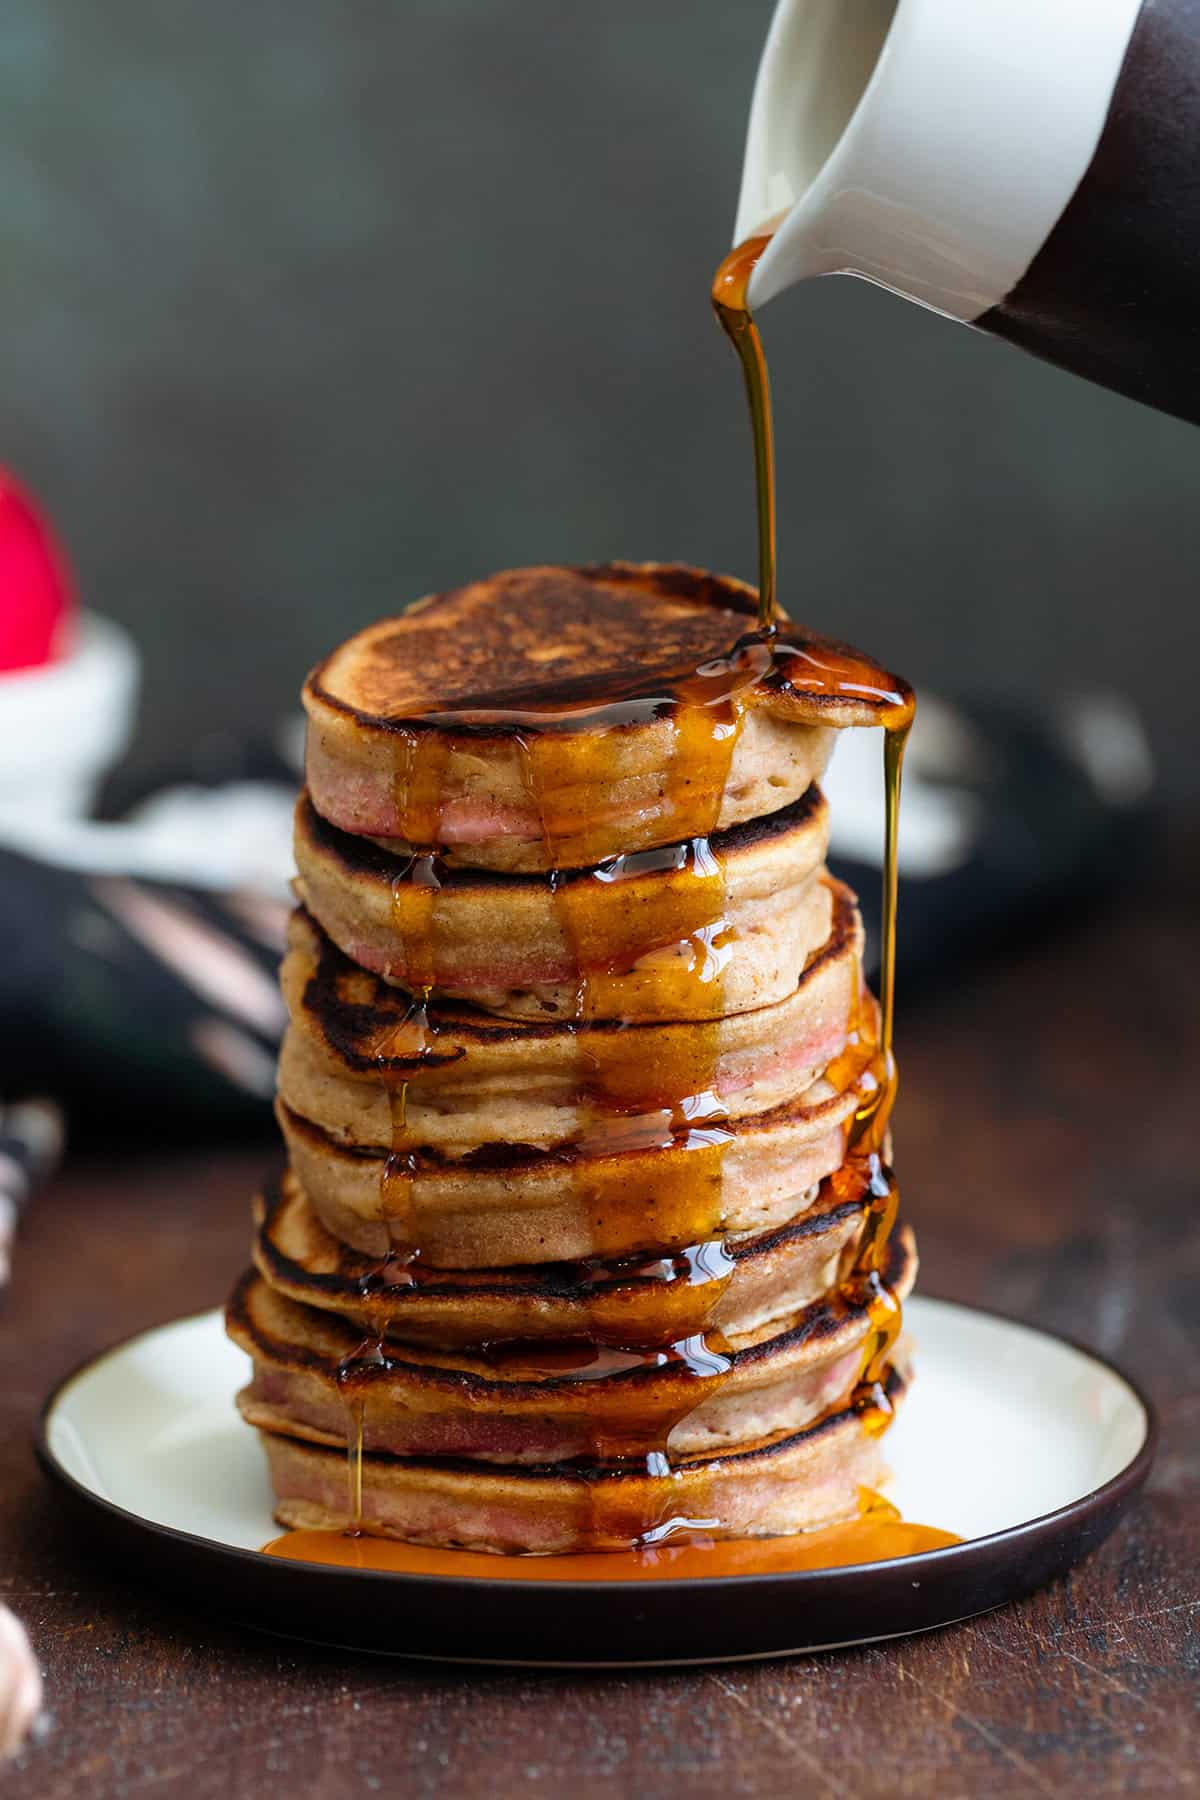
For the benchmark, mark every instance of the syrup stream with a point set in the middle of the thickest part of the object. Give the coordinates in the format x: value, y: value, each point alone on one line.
x: 737, y: 322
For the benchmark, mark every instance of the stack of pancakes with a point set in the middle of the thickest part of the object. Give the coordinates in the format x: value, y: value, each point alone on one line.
x: 566, y: 1256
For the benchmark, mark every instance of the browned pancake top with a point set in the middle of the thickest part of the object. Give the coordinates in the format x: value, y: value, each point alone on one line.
x: 538, y: 637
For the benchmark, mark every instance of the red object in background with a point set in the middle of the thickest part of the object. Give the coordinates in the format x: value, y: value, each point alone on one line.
x: 37, y: 591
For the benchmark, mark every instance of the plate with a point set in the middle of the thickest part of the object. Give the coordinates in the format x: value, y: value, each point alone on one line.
x: 1028, y: 1447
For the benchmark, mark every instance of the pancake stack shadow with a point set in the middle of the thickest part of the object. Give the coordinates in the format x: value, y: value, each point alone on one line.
x: 568, y: 1254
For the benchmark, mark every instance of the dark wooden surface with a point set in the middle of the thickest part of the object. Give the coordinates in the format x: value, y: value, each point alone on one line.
x: 1047, y: 1142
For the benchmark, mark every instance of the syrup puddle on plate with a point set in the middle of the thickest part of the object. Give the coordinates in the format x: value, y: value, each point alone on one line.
x: 879, y: 1534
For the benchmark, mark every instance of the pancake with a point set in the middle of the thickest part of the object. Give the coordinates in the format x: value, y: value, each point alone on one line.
x: 769, y: 1489
x: 734, y: 1287
x: 703, y: 930
x: 552, y: 717
x: 471, y: 1078
x: 540, y: 1404
x: 511, y: 1203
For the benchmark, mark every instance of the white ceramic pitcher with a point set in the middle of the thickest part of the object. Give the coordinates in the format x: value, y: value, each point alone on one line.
x: 1031, y: 167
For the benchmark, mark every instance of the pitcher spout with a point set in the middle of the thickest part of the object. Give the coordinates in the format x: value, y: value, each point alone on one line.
x: 930, y: 146
x: 816, y: 66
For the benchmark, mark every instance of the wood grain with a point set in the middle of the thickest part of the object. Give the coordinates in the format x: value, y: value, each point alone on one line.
x: 1046, y: 1132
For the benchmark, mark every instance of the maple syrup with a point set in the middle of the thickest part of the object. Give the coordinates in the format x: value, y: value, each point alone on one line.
x: 878, y: 1534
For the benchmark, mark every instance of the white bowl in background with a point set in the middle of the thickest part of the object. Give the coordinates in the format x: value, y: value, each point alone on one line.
x: 64, y: 725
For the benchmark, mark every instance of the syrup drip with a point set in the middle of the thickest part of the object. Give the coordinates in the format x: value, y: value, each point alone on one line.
x: 643, y: 1434
x: 584, y: 1361
x: 693, y: 1282
x: 690, y: 943
x: 878, y: 1534
x: 349, y: 1378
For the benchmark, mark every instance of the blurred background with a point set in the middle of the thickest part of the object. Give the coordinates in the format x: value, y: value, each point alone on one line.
x: 309, y: 309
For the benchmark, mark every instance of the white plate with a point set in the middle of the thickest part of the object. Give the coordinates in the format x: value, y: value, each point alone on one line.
x: 1025, y: 1446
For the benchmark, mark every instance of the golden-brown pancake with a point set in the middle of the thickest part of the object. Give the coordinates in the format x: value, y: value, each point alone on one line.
x: 734, y: 1286
x: 471, y: 1078
x: 552, y: 717
x: 683, y: 933
x: 635, y: 1186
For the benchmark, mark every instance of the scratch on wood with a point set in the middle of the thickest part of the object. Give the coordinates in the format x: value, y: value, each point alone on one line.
x: 1027, y: 1769
x: 175, y: 1773
x: 1017, y: 1654
x: 1118, y: 1687
x: 792, y: 1745
x: 1120, y: 1620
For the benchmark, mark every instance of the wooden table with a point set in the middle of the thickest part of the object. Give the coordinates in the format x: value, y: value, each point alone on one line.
x: 1048, y: 1127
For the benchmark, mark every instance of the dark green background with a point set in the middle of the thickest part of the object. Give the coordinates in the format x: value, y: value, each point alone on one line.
x: 307, y: 308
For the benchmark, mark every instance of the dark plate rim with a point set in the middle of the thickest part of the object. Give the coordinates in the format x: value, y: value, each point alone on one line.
x: 1117, y: 1489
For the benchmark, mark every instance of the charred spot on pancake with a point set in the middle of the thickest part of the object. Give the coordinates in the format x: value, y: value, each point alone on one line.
x: 322, y: 1140
x: 348, y: 1025
x: 505, y: 1156
x: 333, y: 970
